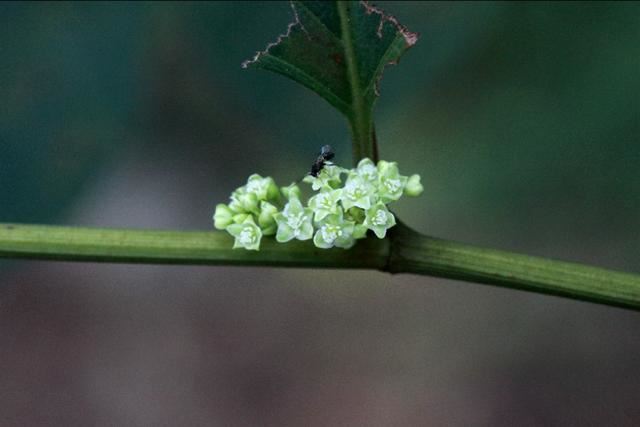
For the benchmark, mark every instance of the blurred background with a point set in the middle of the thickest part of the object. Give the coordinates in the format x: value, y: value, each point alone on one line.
x: 522, y: 118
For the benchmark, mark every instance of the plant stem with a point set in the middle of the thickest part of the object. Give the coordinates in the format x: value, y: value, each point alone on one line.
x: 360, y: 117
x: 418, y: 254
x: 404, y: 251
x: 174, y: 247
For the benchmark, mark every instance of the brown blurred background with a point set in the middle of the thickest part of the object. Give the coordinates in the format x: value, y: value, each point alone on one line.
x: 522, y: 118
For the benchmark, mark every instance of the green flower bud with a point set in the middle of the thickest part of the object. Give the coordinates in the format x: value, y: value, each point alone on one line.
x: 414, y: 187
x: 379, y: 219
x: 360, y: 231
x: 384, y: 166
x: 273, y: 192
x: 234, y: 204
x: 271, y: 230
x: 291, y: 191
x: 247, y: 234
x: 222, y: 217
x: 241, y: 217
x: 249, y: 202
x: 355, y: 214
x: 265, y: 220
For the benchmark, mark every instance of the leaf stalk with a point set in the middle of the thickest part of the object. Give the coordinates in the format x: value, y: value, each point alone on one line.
x: 360, y: 117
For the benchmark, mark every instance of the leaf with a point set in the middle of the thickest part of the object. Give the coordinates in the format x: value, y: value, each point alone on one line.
x: 339, y: 50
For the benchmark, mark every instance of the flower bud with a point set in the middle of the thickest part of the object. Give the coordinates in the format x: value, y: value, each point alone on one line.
x: 249, y: 202
x: 291, y: 191
x: 222, y: 217
x: 355, y: 214
x: 387, y: 168
x: 360, y: 231
x: 240, y: 218
x: 273, y: 192
x: 265, y: 219
x: 271, y: 230
x: 235, y: 205
x: 414, y: 187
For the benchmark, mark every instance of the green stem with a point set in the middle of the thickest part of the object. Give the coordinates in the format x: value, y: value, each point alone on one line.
x: 174, y: 247
x: 414, y: 253
x: 360, y: 117
x: 405, y: 251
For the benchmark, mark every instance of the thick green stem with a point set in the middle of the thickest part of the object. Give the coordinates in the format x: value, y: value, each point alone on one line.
x: 360, y: 116
x: 404, y: 251
x: 175, y: 247
x: 418, y: 254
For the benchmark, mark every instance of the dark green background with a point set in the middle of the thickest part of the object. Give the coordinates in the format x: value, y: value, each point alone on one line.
x: 523, y: 120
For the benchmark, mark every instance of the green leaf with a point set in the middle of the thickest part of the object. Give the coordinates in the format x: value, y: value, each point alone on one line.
x: 339, y: 50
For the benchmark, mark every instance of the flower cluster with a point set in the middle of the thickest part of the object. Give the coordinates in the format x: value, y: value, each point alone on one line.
x: 337, y: 215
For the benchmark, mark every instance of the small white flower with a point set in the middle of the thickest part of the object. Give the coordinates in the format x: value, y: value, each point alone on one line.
x: 247, y: 234
x: 330, y: 232
x: 263, y: 188
x: 294, y: 222
x: 256, y: 186
x: 380, y: 218
x: 335, y: 231
x: 325, y: 203
x: 367, y: 170
x: 392, y: 185
x: 357, y: 192
x: 328, y: 178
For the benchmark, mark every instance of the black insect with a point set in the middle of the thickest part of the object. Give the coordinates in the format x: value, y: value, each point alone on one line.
x: 326, y: 154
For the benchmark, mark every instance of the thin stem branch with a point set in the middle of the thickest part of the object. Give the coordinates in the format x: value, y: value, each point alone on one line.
x: 360, y: 117
x: 404, y: 251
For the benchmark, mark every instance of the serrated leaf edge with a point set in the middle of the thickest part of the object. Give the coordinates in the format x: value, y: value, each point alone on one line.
x: 410, y: 39
x: 296, y: 21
